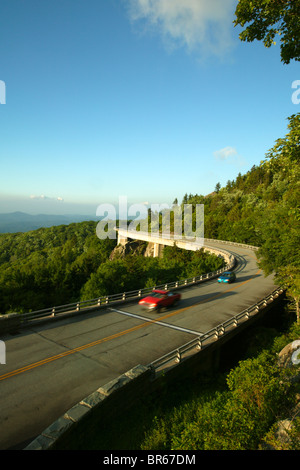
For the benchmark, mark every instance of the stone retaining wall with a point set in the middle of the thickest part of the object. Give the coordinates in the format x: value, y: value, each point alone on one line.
x: 106, y: 403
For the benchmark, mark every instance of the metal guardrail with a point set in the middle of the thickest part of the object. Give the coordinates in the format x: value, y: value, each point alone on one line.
x: 125, y: 296
x: 24, y: 319
x: 242, y: 245
x: 199, y: 343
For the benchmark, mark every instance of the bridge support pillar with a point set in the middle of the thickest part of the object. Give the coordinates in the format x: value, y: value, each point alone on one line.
x: 156, y: 250
x: 122, y: 240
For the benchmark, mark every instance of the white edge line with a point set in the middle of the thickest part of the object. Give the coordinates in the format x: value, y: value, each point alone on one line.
x: 157, y: 322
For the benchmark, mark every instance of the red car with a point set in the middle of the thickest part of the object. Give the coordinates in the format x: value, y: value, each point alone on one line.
x: 159, y: 299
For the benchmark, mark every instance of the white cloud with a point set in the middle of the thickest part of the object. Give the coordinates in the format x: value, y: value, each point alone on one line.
x: 201, y: 25
x: 43, y: 197
x: 225, y: 153
x: 229, y: 155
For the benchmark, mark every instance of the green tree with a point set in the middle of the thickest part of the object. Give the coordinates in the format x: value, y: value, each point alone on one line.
x: 284, y: 157
x: 233, y: 418
x: 217, y: 187
x: 280, y: 221
x: 289, y: 277
x: 265, y: 19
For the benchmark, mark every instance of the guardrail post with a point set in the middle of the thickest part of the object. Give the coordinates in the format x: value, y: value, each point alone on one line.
x: 221, y: 330
x: 178, y: 356
x: 78, y: 307
x: 53, y: 311
x: 140, y: 293
x: 99, y: 302
x: 124, y: 296
x: 106, y: 300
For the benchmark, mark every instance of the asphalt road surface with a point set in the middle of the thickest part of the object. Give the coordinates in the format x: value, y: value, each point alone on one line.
x: 50, y: 367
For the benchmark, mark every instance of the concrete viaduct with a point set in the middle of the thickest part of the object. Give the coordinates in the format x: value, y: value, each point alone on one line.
x: 159, y: 240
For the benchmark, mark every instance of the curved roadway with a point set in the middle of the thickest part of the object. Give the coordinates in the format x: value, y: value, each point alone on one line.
x: 51, y: 367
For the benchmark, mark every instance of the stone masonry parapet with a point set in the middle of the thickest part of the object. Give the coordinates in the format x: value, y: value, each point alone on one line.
x: 74, y: 415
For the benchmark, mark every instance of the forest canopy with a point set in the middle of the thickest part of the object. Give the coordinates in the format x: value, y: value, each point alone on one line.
x: 64, y: 264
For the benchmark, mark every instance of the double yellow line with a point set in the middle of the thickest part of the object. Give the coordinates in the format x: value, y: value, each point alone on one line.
x: 111, y: 337
x: 81, y: 348
x: 69, y: 352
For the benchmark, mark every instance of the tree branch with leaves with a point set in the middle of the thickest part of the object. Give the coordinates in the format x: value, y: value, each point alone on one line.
x: 265, y: 20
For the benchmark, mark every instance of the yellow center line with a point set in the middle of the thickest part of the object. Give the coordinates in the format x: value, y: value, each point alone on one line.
x: 69, y: 352
x: 114, y: 336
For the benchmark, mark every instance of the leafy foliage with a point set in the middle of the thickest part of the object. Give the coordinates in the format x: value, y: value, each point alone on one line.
x: 265, y: 19
x: 64, y: 264
x: 239, y: 416
x: 136, y: 272
x: 48, y: 266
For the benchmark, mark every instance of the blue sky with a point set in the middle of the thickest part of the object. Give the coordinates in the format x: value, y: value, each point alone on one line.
x: 148, y: 99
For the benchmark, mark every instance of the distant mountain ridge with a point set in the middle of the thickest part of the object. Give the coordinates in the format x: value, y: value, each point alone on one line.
x: 13, y: 222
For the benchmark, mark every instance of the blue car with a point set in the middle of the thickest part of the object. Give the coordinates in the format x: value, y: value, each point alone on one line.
x: 228, y: 276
